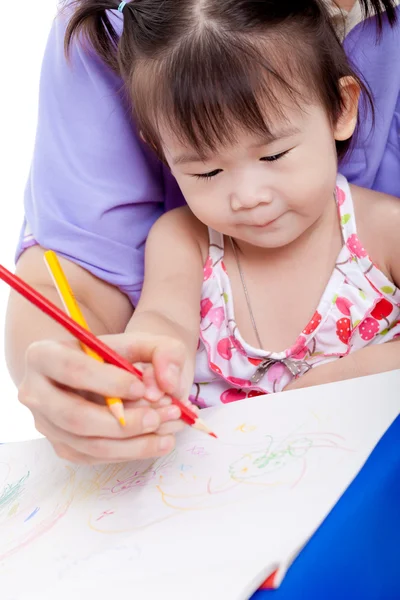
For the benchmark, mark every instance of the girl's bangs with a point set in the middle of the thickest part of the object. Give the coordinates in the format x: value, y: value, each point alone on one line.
x: 205, y: 93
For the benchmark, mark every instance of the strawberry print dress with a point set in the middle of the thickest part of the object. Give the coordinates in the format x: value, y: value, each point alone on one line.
x: 360, y: 307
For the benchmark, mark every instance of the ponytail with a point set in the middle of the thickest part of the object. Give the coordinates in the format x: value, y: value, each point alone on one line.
x: 90, y: 18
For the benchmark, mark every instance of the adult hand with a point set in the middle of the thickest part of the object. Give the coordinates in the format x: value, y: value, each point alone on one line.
x: 59, y: 379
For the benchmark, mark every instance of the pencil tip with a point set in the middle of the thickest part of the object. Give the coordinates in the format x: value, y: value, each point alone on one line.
x: 122, y: 421
x: 213, y: 435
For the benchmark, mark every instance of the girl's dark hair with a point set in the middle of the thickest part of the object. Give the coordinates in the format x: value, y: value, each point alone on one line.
x: 198, y: 67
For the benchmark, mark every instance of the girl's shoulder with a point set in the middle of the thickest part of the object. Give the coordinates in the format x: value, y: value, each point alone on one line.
x: 181, y: 225
x: 378, y: 225
x: 375, y: 208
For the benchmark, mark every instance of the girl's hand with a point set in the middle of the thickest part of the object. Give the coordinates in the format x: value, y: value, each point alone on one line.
x: 169, y: 370
x: 59, y: 377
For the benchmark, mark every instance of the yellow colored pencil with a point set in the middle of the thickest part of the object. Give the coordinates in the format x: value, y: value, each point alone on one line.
x: 72, y: 309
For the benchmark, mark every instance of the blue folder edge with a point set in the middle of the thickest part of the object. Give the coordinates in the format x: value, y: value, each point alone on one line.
x: 355, y: 554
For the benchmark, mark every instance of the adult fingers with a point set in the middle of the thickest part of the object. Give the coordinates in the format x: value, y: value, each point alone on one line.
x: 71, y: 367
x: 140, y: 447
x: 103, y: 450
x: 72, y: 413
x: 173, y: 427
x: 67, y: 453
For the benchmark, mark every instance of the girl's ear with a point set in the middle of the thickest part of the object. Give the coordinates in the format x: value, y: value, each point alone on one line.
x: 346, y: 124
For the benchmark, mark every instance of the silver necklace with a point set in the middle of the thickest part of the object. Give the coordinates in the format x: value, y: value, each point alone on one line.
x: 295, y: 366
x: 246, y: 293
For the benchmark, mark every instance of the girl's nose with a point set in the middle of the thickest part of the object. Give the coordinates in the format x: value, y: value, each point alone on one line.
x: 247, y: 199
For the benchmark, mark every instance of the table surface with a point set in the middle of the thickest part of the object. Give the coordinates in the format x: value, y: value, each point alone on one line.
x: 355, y: 554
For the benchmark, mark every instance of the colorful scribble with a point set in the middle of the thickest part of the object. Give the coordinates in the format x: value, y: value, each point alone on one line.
x: 246, y: 428
x: 33, y: 513
x: 56, y: 496
x: 190, y: 485
x: 197, y: 451
x: 258, y: 463
x: 278, y: 463
x: 106, y: 513
x: 184, y: 468
x: 13, y: 510
x: 12, y: 491
x: 137, y: 479
x: 186, y: 480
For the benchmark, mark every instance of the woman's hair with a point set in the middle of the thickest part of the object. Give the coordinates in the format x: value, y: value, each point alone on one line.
x: 203, y: 68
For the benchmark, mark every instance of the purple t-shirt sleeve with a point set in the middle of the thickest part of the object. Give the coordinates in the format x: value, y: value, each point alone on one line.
x: 94, y: 189
x: 375, y: 160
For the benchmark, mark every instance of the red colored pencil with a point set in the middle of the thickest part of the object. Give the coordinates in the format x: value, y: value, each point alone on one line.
x: 90, y: 340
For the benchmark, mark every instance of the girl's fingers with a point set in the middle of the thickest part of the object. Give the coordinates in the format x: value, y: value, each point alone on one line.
x: 164, y: 353
x: 153, y: 392
x: 168, y: 362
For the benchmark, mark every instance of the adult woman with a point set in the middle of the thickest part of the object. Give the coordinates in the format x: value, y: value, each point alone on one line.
x: 93, y: 194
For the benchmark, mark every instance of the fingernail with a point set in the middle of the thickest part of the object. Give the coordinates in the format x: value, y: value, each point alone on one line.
x: 151, y: 421
x: 166, y: 443
x: 152, y: 393
x: 136, y: 391
x: 173, y: 373
x: 173, y: 413
x: 165, y: 401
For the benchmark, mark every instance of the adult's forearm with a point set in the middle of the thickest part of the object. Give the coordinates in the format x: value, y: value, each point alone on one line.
x: 26, y: 324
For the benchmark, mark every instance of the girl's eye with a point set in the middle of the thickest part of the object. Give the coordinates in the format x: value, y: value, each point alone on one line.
x: 274, y: 157
x: 214, y: 173
x: 209, y: 175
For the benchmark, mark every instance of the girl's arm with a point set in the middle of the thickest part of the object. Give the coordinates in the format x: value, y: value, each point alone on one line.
x: 169, y: 307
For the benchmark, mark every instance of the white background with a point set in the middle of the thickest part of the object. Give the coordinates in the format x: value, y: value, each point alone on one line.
x: 22, y: 43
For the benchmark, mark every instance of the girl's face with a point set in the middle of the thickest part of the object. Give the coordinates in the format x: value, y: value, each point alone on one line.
x: 263, y: 192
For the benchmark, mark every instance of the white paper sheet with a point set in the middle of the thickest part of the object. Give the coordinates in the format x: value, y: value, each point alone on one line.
x: 211, y: 520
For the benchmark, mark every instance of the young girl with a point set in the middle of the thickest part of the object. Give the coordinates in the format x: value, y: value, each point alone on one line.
x: 276, y: 264
x: 94, y: 191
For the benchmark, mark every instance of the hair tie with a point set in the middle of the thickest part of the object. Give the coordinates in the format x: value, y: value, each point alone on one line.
x: 121, y: 6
